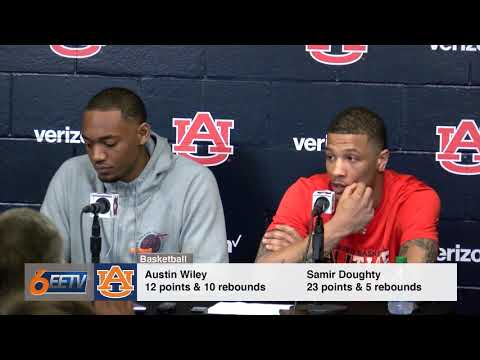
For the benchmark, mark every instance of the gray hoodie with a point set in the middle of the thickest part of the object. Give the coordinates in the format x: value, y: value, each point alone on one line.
x: 174, y: 202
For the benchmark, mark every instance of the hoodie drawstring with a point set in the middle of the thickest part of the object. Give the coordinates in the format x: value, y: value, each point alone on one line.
x: 135, y: 221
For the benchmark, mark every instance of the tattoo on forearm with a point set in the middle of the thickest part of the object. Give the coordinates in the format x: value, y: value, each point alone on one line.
x: 261, y: 251
x: 429, y: 246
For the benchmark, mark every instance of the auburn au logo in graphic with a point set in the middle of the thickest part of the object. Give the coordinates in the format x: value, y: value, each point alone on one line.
x: 350, y: 54
x: 77, y: 51
x: 115, y: 281
x: 465, y: 136
x: 203, y: 128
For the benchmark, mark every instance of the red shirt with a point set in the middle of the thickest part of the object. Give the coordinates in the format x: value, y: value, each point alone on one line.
x: 408, y: 210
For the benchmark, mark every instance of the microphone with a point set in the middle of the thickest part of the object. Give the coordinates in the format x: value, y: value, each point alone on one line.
x: 321, y: 205
x: 322, y: 202
x: 101, y: 206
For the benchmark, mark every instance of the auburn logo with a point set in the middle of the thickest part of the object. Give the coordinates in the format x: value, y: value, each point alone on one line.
x: 349, y: 55
x: 465, y: 136
x: 203, y: 128
x: 76, y: 52
x: 115, y: 275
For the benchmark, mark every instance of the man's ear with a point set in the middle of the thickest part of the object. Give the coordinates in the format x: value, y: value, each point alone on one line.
x: 383, y: 160
x: 143, y: 133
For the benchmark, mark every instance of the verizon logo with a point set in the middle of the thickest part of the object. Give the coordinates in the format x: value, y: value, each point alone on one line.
x: 66, y: 136
x: 466, y: 48
x: 231, y: 244
x: 309, y: 144
x: 459, y: 254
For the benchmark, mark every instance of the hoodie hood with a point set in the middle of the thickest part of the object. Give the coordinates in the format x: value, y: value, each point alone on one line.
x: 160, y: 162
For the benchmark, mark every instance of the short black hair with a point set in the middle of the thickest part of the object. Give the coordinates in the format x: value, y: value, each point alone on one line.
x: 360, y: 120
x: 130, y: 104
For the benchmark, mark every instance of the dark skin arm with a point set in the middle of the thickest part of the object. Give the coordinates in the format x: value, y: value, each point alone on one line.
x: 286, y: 246
x: 416, y: 251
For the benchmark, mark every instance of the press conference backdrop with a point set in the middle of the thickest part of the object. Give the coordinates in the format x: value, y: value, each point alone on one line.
x: 264, y: 110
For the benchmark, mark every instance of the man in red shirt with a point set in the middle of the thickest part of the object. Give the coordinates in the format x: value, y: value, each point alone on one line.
x: 379, y: 214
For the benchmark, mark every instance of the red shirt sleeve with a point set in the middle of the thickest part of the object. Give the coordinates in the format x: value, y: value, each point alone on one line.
x: 294, y: 208
x: 418, y: 216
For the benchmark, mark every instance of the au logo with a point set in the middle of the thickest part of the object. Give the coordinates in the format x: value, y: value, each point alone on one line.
x: 203, y: 128
x: 466, y: 136
x: 115, y: 282
x: 350, y: 54
x: 76, y: 52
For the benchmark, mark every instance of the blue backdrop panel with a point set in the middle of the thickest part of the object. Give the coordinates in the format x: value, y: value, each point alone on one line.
x: 281, y: 101
x: 409, y: 64
x: 247, y: 103
x: 285, y: 62
x: 5, y: 100
x: 459, y: 243
x: 430, y: 106
x: 475, y: 66
x: 53, y: 102
x: 182, y: 61
x: 27, y: 169
x: 305, y: 110
x: 33, y: 59
x: 168, y: 98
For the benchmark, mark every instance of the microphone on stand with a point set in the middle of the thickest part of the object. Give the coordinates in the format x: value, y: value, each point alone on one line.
x: 101, y: 206
x: 323, y: 204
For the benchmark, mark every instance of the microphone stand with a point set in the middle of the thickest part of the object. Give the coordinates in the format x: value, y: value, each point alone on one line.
x: 316, y: 308
x: 95, y: 240
x: 102, y: 206
x: 317, y: 241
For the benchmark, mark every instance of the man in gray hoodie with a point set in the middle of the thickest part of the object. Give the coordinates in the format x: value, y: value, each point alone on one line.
x: 167, y: 203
